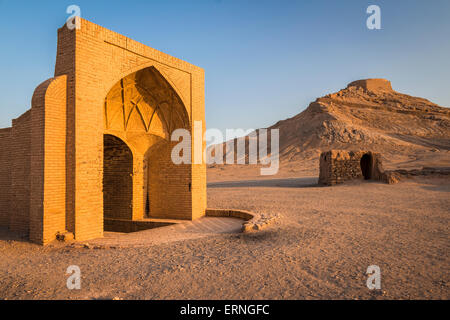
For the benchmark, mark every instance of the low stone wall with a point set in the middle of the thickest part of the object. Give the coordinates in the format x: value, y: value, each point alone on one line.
x: 253, y: 221
x: 395, y: 176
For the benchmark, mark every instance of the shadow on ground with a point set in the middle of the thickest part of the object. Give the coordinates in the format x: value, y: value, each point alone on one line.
x: 438, y: 188
x: 7, y: 235
x: 309, y: 182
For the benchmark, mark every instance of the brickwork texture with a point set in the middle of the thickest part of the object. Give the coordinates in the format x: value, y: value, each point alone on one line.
x: 96, y: 142
x: 338, y: 166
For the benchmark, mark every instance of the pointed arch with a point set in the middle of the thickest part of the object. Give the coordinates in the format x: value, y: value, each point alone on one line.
x: 148, y: 94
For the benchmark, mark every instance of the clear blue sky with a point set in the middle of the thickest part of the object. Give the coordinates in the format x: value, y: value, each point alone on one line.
x: 264, y: 60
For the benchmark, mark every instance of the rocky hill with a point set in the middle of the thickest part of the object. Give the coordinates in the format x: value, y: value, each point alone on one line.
x: 369, y: 115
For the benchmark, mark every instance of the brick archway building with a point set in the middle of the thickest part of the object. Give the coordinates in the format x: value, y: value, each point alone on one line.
x: 96, y: 143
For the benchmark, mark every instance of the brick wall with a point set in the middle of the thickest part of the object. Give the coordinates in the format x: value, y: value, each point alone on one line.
x: 198, y: 171
x: 102, y: 58
x: 169, y: 185
x: 56, y: 149
x: 48, y: 160
x: 65, y: 66
x: 5, y: 176
x: 20, y: 153
x: 117, y: 179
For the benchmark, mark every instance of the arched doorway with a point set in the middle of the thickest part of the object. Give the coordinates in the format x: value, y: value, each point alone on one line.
x: 366, y: 166
x: 117, y: 179
x: 144, y: 109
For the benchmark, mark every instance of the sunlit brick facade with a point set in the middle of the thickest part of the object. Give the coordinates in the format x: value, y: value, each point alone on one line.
x: 96, y: 143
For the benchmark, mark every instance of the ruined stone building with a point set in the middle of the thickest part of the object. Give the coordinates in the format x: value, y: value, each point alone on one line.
x: 94, y: 150
x: 337, y: 166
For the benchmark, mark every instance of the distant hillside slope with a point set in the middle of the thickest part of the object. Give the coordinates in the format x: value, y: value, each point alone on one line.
x: 369, y: 115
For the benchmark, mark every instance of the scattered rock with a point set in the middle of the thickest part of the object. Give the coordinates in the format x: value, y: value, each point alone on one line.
x: 396, y: 175
x: 391, y: 177
x: 65, y: 236
x: 246, y: 227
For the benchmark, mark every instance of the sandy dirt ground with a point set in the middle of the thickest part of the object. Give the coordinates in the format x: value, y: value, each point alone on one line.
x: 319, y: 248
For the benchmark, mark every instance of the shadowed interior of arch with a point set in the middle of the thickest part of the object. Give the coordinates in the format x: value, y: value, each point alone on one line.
x: 140, y: 113
x: 366, y: 166
x: 117, y: 179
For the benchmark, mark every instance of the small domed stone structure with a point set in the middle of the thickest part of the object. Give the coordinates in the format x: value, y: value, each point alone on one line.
x: 337, y: 166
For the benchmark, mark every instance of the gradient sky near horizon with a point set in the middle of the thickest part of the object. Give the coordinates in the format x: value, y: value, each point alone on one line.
x: 264, y: 60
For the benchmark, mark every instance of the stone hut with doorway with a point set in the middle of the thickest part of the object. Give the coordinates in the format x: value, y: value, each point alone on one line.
x: 338, y: 166
x: 94, y: 150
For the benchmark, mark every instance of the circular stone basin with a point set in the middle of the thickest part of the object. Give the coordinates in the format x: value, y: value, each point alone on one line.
x: 178, y: 231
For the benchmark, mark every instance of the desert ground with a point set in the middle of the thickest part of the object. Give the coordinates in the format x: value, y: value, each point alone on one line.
x: 318, y: 248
